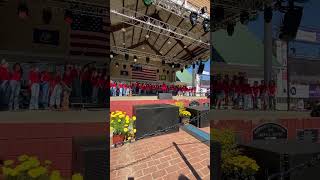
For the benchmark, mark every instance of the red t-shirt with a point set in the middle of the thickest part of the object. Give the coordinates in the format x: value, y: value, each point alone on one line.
x: 237, y: 89
x: 16, y: 76
x: 256, y: 91
x: 34, y: 77
x: 4, y: 74
x: 100, y: 82
x: 248, y: 89
x: 85, y: 76
x: 219, y: 87
x: 67, y: 79
x: 263, y: 89
x: 45, y: 76
x: 272, y: 90
x: 56, y: 80
x: 74, y: 73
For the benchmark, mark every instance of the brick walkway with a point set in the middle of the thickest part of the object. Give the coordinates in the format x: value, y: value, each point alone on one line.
x: 164, y: 157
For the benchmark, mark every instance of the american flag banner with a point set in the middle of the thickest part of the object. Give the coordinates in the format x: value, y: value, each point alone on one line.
x: 143, y: 73
x: 89, y: 36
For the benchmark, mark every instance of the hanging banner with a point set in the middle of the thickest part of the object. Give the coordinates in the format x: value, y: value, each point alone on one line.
x: 314, y: 90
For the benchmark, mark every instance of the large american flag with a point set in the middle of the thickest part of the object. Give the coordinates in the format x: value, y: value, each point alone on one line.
x: 143, y: 73
x: 89, y: 36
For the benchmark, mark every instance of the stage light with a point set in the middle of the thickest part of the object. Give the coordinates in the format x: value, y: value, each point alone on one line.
x: 126, y: 56
x: 172, y: 65
x: 163, y: 62
x: 193, y: 66
x: 124, y: 66
x: 206, y: 25
x: 123, y: 29
x: 23, y: 10
x: 147, y: 36
x: 203, y: 10
x: 46, y: 16
x: 230, y: 29
x: 117, y: 64
x: 244, y: 17
x: 68, y: 16
x: 147, y: 59
x: 193, y: 18
x: 135, y: 58
x: 169, y: 42
x: 111, y: 55
x: 268, y: 14
x: 185, y: 47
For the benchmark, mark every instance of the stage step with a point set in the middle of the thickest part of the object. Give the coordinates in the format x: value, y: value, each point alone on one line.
x: 197, y: 133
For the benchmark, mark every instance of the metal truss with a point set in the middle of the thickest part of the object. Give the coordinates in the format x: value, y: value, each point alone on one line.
x: 180, y: 8
x: 132, y: 52
x: 156, y: 26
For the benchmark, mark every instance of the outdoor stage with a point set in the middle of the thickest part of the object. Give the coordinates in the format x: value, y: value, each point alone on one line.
x: 48, y: 134
x: 126, y: 103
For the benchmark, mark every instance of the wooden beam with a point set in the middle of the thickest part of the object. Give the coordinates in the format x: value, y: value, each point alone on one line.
x: 153, y: 48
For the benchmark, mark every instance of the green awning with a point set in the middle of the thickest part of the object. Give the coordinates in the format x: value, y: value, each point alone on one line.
x: 243, y: 48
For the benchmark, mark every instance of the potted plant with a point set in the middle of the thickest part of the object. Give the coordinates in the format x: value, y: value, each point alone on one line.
x: 121, y: 127
x: 235, y: 166
x: 183, y: 113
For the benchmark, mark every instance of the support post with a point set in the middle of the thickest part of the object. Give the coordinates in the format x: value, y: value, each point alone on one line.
x: 267, y: 51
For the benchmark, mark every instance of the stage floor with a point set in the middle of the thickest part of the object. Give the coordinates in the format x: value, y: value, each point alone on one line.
x: 84, y: 116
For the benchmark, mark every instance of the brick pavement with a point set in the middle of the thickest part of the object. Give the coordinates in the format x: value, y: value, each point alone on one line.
x: 164, y: 157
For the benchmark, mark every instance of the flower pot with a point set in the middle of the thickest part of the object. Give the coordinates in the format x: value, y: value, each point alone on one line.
x: 117, y: 139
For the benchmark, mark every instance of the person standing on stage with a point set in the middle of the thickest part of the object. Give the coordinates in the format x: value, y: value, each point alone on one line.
x: 272, y: 95
x: 113, y: 88
x: 44, y: 88
x: 55, y: 91
x: 256, y: 94
x: 220, y: 93
x: 4, y: 82
x: 85, y: 83
x: 15, y: 86
x: 263, y: 95
x: 247, y: 95
x: 34, y: 84
x: 120, y: 86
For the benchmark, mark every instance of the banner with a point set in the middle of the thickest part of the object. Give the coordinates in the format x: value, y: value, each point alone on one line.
x: 314, y: 91
x: 299, y: 91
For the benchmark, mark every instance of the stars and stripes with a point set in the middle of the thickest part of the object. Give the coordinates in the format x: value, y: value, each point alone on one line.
x: 89, y: 36
x: 144, y: 73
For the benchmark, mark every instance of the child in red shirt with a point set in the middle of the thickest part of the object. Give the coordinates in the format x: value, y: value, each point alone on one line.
x: 256, y: 94
x: 272, y: 95
x: 55, y: 91
x: 4, y: 81
x: 34, y: 84
x: 44, y: 88
x: 15, y: 85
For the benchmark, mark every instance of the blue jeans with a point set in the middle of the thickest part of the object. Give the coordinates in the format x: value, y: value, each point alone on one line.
x: 113, y: 91
x: 34, y: 100
x: 120, y: 91
x: 3, y: 92
x: 95, y: 91
x: 14, y: 94
x: 55, y: 97
x: 45, y: 94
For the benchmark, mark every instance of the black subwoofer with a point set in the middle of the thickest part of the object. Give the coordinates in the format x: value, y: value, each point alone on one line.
x: 151, y: 118
x: 91, y: 157
x: 199, y: 112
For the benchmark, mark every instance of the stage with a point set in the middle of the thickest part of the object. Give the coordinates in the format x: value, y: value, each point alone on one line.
x: 126, y: 103
x: 49, y: 134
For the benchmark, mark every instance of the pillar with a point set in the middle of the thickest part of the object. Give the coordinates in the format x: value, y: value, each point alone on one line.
x: 267, y: 51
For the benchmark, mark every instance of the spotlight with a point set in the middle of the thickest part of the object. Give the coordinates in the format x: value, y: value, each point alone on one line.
x: 204, y: 10
x: 185, y: 47
x: 193, y: 66
x: 163, y: 62
x: 193, y: 18
x: 111, y: 55
x: 124, y: 66
x: 23, y: 11
x: 147, y: 59
x: 206, y: 25
x: 126, y: 56
x: 230, y: 29
x: 147, y: 36
x: 117, y: 64
x: 135, y: 58
x: 268, y: 14
x: 68, y: 16
x: 169, y: 42
x: 46, y: 16
x: 123, y: 29
x: 172, y: 65
x: 244, y: 17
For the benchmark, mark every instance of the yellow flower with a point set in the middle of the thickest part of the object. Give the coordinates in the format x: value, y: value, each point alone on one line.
x: 47, y: 162
x: 112, y: 121
x: 119, y: 120
x: 7, y: 171
x: 127, y: 121
x: 121, y: 116
x: 23, y: 157
x: 134, y: 130
x: 134, y: 118
x: 36, y: 172
x: 125, y: 129
x: 55, y: 175
x: 77, y: 177
x: 8, y: 163
x: 127, y: 118
x: 129, y: 138
x: 111, y: 128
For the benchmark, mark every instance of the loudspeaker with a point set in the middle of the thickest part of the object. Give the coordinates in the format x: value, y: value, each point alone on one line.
x: 200, y: 69
x: 291, y: 23
x: 91, y: 157
x: 315, y: 111
x: 151, y: 118
x: 199, y: 112
x: 164, y: 96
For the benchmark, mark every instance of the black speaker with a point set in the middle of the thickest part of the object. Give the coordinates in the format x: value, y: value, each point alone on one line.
x: 91, y: 157
x: 201, y: 68
x: 164, y: 96
x: 274, y: 156
x: 291, y: 23
x: 315, y: 111
x: 199, y: 112
x: 151, y: 118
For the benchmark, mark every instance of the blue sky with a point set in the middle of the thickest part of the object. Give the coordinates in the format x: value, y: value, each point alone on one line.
x: 310, y: 18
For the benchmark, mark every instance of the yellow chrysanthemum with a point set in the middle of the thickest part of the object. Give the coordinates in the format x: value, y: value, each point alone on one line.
x: 111, y: 128
x: 127, y: 118
x: 127, y: 121
x: 134, y: 130
x: 7, y: 171
x: 119, y: 120
x: 134, y: 118
x: 8, y: 163
x: 125, y: 129
x: 77, y: 177
x: 23, y: 157
x: 47, y: 162
x: 55, y: 175
x: 36, y: 172
x: 129, y: 138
